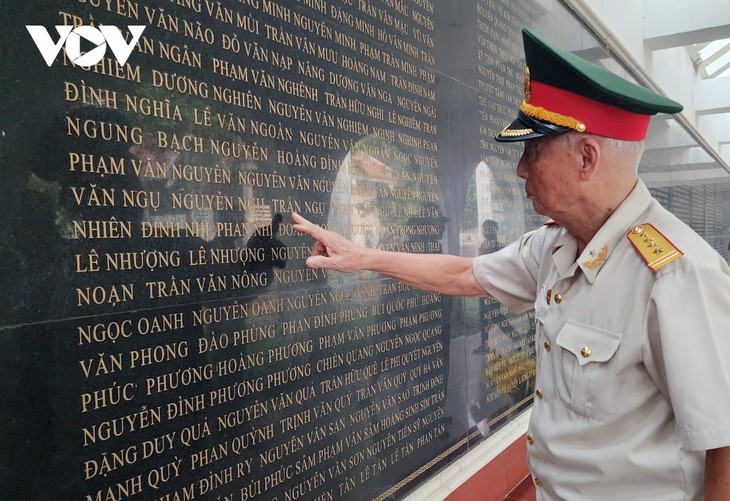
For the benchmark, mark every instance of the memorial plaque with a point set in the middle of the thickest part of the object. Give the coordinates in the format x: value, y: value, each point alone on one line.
x: 164, y: 338
x: 161, y: 336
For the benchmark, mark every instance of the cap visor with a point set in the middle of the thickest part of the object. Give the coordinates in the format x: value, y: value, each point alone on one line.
x: 525, y: 127
x: 517, y: 131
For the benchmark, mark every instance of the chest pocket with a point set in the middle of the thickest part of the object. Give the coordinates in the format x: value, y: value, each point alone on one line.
x: 586, y: 378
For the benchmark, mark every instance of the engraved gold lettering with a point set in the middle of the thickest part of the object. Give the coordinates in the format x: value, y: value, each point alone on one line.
x: 90, y: 96
x: 151, y: 107
x: 113, y: 428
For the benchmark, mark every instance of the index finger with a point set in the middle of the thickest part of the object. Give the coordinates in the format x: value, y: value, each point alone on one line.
x: 305, y: 226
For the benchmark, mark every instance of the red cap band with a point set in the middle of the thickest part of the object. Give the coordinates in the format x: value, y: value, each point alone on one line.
x: 599, y: 118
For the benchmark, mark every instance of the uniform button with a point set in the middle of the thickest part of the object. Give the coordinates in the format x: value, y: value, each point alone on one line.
x: 558, y: 298
x: 538, y: 393
x: 538, y: 482
x: 549, y: 295
x: 586, y: 352
x: 530, y: 439
x: 547, y: 345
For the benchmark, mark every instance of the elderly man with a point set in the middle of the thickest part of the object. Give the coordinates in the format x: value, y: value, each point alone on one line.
x: 632, y: 307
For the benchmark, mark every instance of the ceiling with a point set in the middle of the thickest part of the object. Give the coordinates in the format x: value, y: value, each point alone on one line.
x: 711, y: 59
x: 698, y: 156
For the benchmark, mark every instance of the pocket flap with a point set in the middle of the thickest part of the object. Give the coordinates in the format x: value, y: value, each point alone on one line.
x: 588, y: 343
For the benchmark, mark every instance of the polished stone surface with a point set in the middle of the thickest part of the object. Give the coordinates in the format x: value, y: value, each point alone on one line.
x: 161, y: 337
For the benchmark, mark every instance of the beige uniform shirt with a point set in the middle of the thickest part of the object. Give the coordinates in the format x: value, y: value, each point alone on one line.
x: 633, y: 365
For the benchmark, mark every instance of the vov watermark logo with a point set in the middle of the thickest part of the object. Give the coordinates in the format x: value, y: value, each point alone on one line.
x: 100, y: 37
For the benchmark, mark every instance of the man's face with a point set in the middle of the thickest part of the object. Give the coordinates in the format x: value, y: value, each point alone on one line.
x: 547, y: 168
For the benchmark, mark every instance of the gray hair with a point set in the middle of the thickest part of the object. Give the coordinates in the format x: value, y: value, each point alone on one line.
x: 632, y: 149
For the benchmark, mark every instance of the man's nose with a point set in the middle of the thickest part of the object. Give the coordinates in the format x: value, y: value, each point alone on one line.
x: 522, y: 168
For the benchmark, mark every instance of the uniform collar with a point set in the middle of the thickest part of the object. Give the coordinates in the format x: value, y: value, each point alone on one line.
x: 564, y: 254
x: 603, y: 243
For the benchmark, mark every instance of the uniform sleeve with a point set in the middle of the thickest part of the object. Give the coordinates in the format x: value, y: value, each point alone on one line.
x: 692, y: 308
x: 510, y: 274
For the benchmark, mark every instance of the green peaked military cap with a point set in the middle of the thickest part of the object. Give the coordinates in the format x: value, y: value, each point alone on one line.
x: 564, y: 92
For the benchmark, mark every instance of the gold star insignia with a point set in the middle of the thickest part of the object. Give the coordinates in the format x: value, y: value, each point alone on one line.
x: 654, y: 248
x: 598, y: 260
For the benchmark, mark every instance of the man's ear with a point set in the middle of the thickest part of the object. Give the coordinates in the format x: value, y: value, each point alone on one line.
x: 589, y: 150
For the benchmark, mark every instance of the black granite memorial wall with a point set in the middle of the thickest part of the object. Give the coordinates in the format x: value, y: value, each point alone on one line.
x: 160, y: 335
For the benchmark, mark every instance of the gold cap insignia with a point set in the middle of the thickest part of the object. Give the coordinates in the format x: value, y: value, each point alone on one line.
x: 507, y: 132
x: 527, y: 85
x: 652, y: 246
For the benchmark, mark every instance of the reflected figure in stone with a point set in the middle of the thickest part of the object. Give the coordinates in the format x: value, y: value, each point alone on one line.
x: 505, y: 348
x: 490, y: 309
x: 75, y: 204
x: 68, y: 207
x: 268, y: 251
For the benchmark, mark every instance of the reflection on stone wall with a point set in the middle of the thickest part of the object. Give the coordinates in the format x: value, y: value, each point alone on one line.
x: 161, y: 336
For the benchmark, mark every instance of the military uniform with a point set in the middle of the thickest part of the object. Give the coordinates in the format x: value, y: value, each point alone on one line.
x: 633, y: 380
x: 633, y: 335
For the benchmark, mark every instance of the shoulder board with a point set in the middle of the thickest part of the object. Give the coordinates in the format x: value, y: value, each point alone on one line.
x: 550, y: 222
x: 652, y: 246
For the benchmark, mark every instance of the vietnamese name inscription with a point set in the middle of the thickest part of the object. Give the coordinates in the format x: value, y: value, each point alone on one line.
x: 204, y: 375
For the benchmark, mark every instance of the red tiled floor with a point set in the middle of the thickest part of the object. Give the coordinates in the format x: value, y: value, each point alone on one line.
x: 523, y: 492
